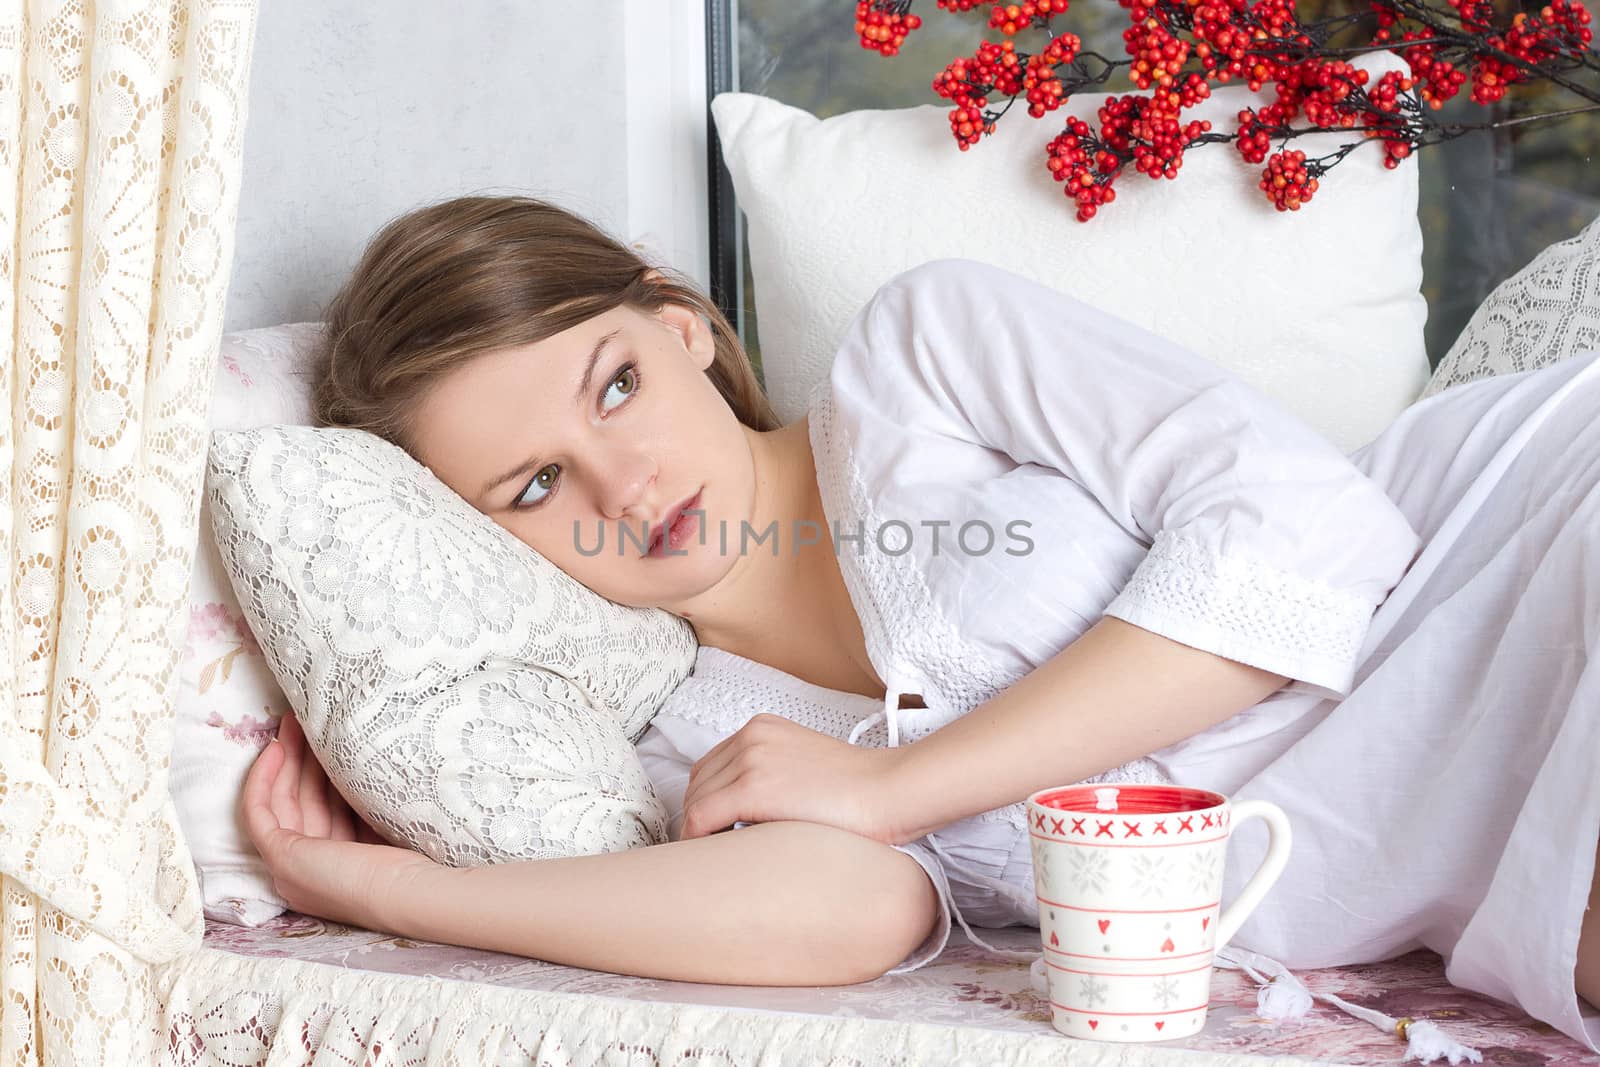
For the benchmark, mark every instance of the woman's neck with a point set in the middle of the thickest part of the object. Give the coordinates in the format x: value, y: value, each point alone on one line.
x: 790, y: 609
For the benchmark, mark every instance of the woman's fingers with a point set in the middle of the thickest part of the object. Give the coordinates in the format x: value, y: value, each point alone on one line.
x: 715, y: 757
x: 713, y: 804
x: 709, y: 781
x: 710, y: 766
x: 286, y: 786
x: 259, y: 817
x: 315, y: 817
x: 341, y: 820
x: 715, y: 812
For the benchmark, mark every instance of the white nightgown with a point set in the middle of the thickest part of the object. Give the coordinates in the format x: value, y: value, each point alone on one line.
x: 1435, y: 756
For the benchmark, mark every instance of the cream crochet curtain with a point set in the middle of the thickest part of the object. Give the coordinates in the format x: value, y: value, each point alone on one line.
x: 121, y: 124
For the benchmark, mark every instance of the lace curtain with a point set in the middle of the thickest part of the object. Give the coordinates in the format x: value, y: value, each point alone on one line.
x: 121, y: 125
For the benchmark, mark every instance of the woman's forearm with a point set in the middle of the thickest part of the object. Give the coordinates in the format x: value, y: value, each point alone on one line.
x: 1115, y: 694
x: 780, y: 903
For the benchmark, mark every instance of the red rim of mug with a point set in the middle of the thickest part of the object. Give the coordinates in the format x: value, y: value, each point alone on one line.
x: 1131, y: 799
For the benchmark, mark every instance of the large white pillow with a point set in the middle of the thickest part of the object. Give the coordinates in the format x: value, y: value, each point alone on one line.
x: 1320, y: 308
x: 469, y: 698
x: 1545, y: 312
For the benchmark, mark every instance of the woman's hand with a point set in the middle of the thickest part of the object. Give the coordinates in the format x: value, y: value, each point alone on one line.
x: 775, y: 769
x: 324, y: 859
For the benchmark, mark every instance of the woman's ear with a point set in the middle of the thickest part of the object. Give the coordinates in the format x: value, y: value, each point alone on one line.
x: 691, y: 328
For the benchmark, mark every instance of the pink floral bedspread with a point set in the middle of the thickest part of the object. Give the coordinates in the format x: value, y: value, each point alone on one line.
x: 968, y: 987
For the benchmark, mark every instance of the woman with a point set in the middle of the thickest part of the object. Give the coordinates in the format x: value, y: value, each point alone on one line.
x: 1178, y: 580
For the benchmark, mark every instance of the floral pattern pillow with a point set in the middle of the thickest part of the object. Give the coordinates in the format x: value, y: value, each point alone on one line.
x: 228, y: 703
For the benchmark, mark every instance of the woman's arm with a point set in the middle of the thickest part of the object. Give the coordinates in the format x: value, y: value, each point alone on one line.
x: 782, y: 903
x: 785, y: 903
x: 1116, y: 693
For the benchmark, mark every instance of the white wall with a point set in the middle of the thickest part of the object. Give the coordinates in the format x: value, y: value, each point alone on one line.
x: 359, y: 111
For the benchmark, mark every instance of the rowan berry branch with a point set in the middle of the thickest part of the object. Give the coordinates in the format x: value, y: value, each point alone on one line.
x: 1177, y: 50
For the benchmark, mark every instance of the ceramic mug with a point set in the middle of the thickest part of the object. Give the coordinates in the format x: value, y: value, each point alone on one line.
x: 1129, y: 881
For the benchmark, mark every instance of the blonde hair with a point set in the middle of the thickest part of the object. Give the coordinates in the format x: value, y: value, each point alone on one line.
x: 450, y: 281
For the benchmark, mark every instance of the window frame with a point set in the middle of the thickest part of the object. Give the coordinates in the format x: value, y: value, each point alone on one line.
x: 672, y: 53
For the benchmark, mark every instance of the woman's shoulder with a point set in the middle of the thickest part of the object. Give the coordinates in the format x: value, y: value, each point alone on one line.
x: 881, y: 338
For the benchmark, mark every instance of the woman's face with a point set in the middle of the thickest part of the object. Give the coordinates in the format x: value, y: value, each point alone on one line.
x: 583, y: 457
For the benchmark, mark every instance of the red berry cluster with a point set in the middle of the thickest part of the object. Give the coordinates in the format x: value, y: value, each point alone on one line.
x: 1012, y: 19
x: 1224, y: 48
x: 1249, y: 41
x: 883, y: 24
x: 1323, y: 88
x: 1438, y: 79
x: 967, y: 82
x: 1254, y: 140
x: 1079, y: 158
x: 1044, y: 88
x: 1158, y: 53
x: 1288, y: 180
x: 1387, y: 117
x: 1152, y: 132
x: 1143, y: 130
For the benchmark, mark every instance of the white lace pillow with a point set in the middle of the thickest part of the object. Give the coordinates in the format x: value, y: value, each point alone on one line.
x: 1547, y: 311
x: 469, y: 698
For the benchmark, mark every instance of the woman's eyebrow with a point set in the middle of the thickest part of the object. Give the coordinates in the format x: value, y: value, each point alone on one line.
x: 594, y: 359
x: 527, y: 465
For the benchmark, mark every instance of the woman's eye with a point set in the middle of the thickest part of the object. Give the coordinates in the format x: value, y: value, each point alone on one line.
x: 625, y: 383
x: 541, y: 487
x: 626, y: 380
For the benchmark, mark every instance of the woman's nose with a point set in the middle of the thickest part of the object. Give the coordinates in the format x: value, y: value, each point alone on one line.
x: 624, y: 478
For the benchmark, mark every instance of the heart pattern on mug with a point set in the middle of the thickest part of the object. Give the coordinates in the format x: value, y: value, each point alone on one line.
x: 1055, y: 942
x: 1205, y: 922
x: 1105, y: 924
x: 1094, y: 1024
x: 1167, y: 945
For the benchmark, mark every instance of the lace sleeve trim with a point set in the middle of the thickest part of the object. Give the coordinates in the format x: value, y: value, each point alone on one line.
x: 1245, y: 609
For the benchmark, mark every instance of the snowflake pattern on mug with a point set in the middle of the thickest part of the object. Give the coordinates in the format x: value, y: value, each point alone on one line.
x: 1150, y: 873
x: 1203, y: 871
x: 1041, y: 876
x: 1088, y: 868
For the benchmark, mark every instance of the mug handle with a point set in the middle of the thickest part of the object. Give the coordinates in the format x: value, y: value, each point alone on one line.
x: 1278, y: 838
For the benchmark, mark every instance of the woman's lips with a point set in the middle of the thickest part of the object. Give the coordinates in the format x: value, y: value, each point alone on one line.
x: 677, y: 528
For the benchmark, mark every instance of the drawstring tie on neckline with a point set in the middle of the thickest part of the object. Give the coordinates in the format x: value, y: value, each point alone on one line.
x: 1281, y: 996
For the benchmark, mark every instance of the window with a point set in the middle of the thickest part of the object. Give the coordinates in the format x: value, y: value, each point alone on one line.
x: 1490, y: 201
